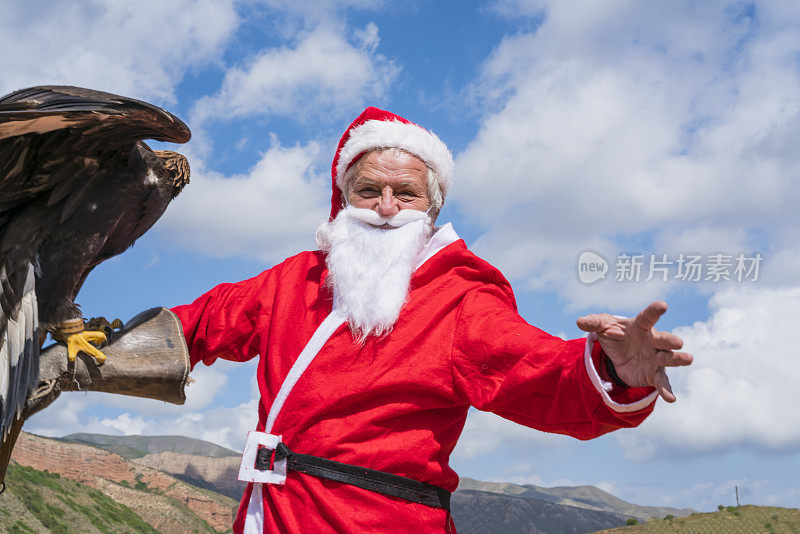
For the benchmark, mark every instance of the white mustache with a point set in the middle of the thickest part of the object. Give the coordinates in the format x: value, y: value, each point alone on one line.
x: 401, y: 218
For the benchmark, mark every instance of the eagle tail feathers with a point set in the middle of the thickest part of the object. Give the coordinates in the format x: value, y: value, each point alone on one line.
x: 19, y: 356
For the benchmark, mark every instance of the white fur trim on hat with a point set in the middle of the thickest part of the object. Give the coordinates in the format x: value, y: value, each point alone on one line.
x: 412, y: 138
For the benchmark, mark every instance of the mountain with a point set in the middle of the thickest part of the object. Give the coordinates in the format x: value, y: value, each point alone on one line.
x: 481, y: 512
x: 474, y: 512
x: 587, y: 497
x: 177, y: 484
x: 160, y: 500
x: 138, y: 446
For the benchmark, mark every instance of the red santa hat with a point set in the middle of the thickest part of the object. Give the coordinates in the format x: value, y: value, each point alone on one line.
x: 376, y: 128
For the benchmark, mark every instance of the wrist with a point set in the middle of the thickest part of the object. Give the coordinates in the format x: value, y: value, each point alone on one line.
x: 611, y: 372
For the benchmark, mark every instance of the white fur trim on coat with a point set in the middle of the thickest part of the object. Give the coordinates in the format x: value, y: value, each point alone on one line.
x: 412, y: 138
x: 604, y: 387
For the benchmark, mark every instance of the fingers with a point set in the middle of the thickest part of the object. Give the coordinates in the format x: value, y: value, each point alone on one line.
x: 668, y: 358
x: 647, y: 317
x: 592, y: 323
x: 662, y: 385
x: 683, y: 358
x: 666, y: 341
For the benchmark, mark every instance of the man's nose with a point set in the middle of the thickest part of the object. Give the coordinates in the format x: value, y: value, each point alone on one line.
x: 388, y: 205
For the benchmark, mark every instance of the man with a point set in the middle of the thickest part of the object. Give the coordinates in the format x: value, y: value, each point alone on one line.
x: 372, y: 349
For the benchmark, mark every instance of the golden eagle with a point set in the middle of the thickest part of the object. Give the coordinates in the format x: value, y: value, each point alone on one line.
x: 77, y: 186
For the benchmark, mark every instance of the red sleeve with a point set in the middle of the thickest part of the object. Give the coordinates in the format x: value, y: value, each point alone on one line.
x: 619, y: 395
x: 504, y: 365
x: 226, y: 321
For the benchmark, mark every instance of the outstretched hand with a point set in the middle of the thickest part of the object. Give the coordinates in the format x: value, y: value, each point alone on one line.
x: 638, y: 351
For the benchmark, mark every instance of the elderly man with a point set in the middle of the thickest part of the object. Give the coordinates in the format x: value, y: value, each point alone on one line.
x: 372, y: 349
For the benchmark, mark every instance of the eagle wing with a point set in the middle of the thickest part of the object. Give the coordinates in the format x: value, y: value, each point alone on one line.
x: 52, y: 141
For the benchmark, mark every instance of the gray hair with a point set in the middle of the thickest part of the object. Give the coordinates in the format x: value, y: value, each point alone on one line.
x: 435, y: 196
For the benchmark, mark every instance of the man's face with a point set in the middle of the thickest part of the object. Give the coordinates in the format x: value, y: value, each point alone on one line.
x: 389, y: 181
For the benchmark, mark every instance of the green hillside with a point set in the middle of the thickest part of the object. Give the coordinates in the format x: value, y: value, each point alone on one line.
x: 37, y: 501
x: 745, y: 519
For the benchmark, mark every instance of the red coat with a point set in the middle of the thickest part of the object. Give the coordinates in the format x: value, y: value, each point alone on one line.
x: 397, y: 403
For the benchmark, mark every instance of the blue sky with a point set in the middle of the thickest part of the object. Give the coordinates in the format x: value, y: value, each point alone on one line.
x: 639, y: 128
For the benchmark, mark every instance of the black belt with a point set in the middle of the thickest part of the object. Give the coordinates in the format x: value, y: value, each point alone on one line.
x: 369, y: 479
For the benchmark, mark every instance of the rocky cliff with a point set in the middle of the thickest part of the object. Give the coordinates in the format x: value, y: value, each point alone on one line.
x: 216, y: 474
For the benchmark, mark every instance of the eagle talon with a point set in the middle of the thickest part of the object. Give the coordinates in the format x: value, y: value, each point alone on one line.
x: 82, y: 342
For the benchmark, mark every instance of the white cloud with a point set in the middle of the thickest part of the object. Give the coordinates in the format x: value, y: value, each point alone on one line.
x: 548, y: 260
x: 484, y: 432
x: 743, y: 389
x: 203, y: 416
x: 516, y: 8
x: 143, y: 50
x: 709, y: 495
x: 270, y: 212
x: 75, y: 409
x: 125, y: 424
x: 324, y: 76
x: 318, y: 10
x: 226, y: 426
x: 207, y: 384
x: 289, y: 18
x: 631, y: 120
x: 140, y: 49
x: 64, y: 416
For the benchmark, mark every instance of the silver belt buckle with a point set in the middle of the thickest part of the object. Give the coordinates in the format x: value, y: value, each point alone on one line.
x: 247, y: 469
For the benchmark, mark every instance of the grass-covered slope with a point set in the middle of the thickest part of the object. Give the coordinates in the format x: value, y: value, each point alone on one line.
x: 37, y: 501
x: 748, y: 518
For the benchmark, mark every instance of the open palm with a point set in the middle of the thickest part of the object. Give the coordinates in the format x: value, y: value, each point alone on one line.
x: 638, y: 351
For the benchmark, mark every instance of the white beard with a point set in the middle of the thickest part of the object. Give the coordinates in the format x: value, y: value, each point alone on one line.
x: 369, y: 268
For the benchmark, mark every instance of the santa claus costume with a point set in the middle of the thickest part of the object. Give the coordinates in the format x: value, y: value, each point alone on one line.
x: 397, y: 402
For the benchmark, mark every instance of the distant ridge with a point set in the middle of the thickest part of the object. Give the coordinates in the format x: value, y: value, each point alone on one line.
x: 165, y: 481
x: 131, y: 447
x: 587, y: 497
x: 483, y: 512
